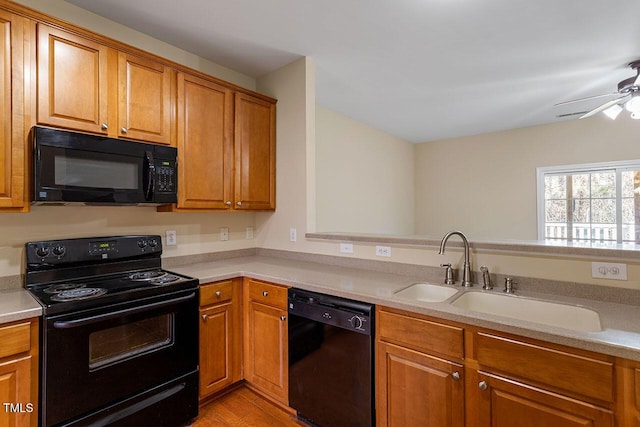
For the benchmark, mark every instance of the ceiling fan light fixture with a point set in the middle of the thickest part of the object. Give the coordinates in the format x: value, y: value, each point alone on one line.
x: 633, y: 105
x: 613, y: 111
x: 635, y: 116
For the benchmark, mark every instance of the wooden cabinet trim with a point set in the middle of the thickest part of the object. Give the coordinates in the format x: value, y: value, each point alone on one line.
x: 560, y: 369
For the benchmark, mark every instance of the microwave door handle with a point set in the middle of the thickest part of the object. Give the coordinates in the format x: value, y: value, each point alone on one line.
x: 151, y: 175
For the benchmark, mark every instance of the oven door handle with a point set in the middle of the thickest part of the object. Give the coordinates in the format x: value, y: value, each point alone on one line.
x: 67, y: 324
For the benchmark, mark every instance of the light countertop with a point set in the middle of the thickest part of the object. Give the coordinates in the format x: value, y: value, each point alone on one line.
x: 620, y: 322
x: 18, y: 304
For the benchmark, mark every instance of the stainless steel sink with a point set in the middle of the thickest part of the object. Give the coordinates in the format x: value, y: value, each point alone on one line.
x: 532, y: 310
x: 426, y: 292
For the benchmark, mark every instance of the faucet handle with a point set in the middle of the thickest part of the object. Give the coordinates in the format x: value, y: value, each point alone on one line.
x: 486, y: 278
x: 508, y: 285
x: 448, y: 274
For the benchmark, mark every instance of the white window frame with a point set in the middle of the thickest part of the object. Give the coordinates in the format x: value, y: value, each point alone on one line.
x: 586, y: 167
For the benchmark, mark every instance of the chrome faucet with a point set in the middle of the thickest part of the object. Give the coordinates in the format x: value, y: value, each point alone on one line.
x: 466, y: 270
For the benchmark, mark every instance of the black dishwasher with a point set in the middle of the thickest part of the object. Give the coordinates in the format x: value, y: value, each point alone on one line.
x: 331, y: 359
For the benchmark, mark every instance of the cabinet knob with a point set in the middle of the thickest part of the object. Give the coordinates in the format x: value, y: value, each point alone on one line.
x: 228, y: 203
x: 218, y: 293
x: 265, y: 293
x: 204, y: 317
x: 123, y: 130
x: 482, y: 385
x: 283, y: 317
x: 104, y: 126
x: 456, y: 376
x: 239, y: 203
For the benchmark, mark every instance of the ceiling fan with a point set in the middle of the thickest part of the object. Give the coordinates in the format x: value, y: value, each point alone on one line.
x: 628, y: 95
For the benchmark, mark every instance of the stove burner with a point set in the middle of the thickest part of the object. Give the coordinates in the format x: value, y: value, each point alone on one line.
x: 78, y: 294
x: 147, y: 275
x: 54, y: 289
x: 164, y: 280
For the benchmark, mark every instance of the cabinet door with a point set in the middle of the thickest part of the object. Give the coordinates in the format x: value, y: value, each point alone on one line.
x: 73, y: 75
x: 15, y: 395
x: 266, y: 349
x: 144, y: 99
x: 507, y: 403
x: 205, y: 144
x: 255, y: 152
x: 414, y: 389
x: 12, y: 135
x: 216, y: 346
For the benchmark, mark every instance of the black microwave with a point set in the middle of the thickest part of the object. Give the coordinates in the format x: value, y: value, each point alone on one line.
x: 72, y: 167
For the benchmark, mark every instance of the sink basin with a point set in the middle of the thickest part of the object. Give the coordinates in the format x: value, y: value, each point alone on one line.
x: 531, y: 310
x: 426, y: 292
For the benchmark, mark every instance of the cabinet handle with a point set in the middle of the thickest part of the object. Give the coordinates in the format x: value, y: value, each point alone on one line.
x: 104, y: 126
x: 228, y: 203
x: 204, y: 317
x: 265, y: 293
x: 123, y: 130
x: 482, y: 385
x: 455, y: 376
x: 239, y: 203
x: 218, y: 293
x: 283, y: 317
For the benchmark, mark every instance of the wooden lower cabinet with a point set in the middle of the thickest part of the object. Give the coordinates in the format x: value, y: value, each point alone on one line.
x: 509, y: 403
x: 460, y: 375
x: 415, y: 389
x: 265, y: 340
x: 220, y: 336
x: 19, y: 374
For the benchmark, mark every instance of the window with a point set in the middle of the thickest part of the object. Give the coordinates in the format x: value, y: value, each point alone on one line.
x: 595, y: 203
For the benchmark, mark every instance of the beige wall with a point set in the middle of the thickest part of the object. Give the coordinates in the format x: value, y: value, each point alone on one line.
x: 365, y: 177
x: 485, y: 185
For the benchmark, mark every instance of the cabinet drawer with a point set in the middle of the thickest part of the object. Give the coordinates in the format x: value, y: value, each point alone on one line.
x: 273, y: 295
x: 557, y: 368
x: 214, y: 293
x: 421, y: 335
x: 15, y: 339
x: 637, y: 387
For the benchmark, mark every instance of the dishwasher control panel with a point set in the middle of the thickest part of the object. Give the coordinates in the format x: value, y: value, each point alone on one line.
x: 335, y: 311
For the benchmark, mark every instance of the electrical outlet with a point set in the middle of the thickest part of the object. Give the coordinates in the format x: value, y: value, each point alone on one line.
x: 249, y: 233
x: 346, y: 248
x: 384, y: 251
x: 171, y: 237
x: 224, y: 234
x: 292, y: 235
x: 609, y: 270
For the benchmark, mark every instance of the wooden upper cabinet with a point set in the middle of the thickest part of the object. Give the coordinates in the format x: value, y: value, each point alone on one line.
x: 13, y: 148
x: 255, y: 150
x: 87, y: 86
x: 205, y: 144
x: 144, y: 99
x: 73, y: 79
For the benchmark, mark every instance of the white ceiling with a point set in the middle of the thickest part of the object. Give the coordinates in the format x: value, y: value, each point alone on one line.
x: 422, y: 70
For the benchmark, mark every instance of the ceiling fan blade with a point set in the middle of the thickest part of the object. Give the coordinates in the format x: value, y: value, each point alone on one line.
x: 603, y: 107
x: 637, y: 82
x: 578, y: 113
x: 585, y: 99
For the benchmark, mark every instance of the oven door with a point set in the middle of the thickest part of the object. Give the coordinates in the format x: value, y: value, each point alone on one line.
x: 94, y: 359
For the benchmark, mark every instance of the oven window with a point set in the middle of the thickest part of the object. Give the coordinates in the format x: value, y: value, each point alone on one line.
x: 80, y: 172
x: 122, y: 342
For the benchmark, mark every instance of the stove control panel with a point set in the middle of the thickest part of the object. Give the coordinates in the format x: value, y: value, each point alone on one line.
x: 91, y: 249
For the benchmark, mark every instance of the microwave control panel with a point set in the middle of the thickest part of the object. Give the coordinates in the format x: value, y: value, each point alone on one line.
x: 166, y: 178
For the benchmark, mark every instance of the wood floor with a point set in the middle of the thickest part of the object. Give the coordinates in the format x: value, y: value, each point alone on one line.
x: 242, y: 407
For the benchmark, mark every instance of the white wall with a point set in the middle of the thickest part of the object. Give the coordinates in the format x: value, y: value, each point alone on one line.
x: 365, y: 177
x: 485, y: 185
